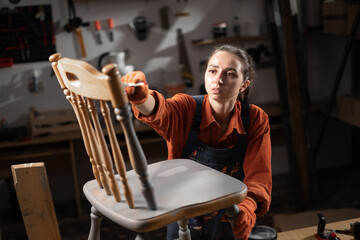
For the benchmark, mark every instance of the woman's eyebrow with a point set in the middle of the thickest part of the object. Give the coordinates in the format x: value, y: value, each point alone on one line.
x: 226, y: 69
x: 212, y: 65
x: 230, y: 69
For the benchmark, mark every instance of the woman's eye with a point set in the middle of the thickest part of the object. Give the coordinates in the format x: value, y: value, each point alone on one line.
x: 211, y: 71
x: 231, y: 74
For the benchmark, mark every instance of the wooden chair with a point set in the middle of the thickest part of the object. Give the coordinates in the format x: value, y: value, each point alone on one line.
x: 148, y: 197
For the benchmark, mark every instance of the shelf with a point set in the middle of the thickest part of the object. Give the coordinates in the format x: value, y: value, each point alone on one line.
x: 347, y: 110
x: 230, y: 40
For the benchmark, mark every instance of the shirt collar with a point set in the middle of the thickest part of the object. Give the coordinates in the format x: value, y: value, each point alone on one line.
x: 235, y: 121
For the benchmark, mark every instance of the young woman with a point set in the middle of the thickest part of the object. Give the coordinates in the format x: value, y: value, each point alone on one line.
x: 218, y: 129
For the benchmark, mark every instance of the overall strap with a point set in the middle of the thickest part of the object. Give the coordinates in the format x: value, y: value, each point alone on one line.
x: 245, y: 118
x: 199, y: 99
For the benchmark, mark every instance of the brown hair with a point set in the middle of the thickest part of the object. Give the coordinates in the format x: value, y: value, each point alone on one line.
x: 246, y: 63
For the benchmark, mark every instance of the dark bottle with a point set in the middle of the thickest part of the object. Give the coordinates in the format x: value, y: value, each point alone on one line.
x: 236, y: 26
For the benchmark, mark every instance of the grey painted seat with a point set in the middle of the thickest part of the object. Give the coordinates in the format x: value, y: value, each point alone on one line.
x: 148, y: 197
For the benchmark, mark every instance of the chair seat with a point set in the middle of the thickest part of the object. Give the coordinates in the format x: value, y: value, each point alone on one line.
x: 202, y: 192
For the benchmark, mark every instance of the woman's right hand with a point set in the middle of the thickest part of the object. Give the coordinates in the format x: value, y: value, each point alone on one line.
x: 246, y: 218
x: 137, y: 95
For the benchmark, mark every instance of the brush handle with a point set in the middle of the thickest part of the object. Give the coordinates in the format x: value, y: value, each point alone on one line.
x: 133, y: 84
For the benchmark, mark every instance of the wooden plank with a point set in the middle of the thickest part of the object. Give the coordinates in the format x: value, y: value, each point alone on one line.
x: 302, y: 159
x: 34, y: 196
x: 281, y: 25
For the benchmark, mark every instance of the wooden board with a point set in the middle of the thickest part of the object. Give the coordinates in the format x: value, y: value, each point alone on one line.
x: 34, y: 196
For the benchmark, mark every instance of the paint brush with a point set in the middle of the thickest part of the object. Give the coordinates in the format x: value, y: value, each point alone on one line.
x: 133, y: 84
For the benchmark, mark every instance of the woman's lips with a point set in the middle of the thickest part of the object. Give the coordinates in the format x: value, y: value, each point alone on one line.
x: 216, y: 90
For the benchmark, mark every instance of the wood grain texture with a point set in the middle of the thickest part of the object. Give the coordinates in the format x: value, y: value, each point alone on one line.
x: 34, y: 196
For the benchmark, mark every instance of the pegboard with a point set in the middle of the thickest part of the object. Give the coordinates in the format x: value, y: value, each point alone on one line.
x: 27, y: 33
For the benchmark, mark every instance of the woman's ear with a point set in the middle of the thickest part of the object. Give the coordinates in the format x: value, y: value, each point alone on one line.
x: 245, y: 85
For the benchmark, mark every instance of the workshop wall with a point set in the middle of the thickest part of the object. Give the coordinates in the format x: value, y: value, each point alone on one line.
x: 157, y: 55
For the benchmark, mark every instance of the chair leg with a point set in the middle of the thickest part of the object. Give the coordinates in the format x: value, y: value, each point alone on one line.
x: 184, y: 232
x: 142, y: 236
x: 96, y: 218
x: 232, y: 213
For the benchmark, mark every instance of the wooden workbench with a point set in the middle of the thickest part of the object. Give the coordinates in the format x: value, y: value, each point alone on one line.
x: 308, y: 232
x: 58, y: 145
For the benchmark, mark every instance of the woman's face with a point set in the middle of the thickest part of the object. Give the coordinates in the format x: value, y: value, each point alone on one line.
x: 223, y: 77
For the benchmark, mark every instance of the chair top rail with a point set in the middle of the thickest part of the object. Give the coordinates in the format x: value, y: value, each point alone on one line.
x: 83, y: 79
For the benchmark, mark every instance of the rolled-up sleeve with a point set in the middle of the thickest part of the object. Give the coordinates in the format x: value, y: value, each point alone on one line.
x: 171, y: 119
x: 257, y: 162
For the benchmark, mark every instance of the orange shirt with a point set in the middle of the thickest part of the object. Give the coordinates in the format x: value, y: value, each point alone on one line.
x: 173, y: 118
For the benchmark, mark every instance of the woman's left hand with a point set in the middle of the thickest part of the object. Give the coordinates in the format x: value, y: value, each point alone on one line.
x: 246, y: 218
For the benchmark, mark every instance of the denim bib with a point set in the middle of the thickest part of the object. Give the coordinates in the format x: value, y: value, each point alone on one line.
x: 227, y: 160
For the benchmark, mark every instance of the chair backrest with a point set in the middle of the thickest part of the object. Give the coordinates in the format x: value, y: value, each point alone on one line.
x: 87, y: 89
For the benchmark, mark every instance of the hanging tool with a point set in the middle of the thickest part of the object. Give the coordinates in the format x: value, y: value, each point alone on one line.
x: 164, y: 17
x: 182, y: 14
x: 41, y: 16
x: 74, y: 25
x: 111, y: 26
x: 141, y: 27
x: 98, y: 28
x: 184, y: 60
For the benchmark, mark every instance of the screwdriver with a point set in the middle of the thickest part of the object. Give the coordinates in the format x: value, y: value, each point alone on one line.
x: 111, y: 26
x: 98, y: 28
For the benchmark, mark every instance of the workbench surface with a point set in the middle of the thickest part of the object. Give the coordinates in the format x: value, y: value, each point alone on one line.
x: 308, y: 232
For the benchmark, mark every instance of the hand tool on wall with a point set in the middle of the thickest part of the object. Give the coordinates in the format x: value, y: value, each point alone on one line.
x: 182, y: 14
x: 111, y: 26
x: 52, y: 28
x: 41, y: 16
x: 81, y: 41
x: 22, y: 46
x: 164, y: 17
x: 98, y: 28
x: 140, y: 27
x: 184, y: 60
x: 74, y: 25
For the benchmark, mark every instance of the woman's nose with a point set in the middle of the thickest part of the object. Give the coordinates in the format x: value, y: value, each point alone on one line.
x: 219, y: 79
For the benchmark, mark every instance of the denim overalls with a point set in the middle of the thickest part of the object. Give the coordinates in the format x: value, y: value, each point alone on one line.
x: 227, y: 160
